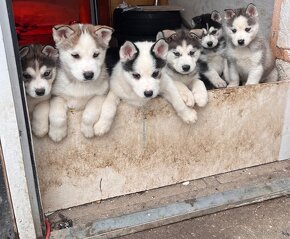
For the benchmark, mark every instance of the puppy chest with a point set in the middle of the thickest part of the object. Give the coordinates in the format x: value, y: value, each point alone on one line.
x: 246, y: 60
x: 216, y: 62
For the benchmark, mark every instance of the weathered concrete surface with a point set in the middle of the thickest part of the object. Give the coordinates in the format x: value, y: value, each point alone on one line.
x: 151, y: 147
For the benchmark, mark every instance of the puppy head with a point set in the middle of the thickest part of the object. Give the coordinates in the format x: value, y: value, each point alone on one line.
x: 39, y: 69
x: 184, y: 49
x: 82, y: 49
x: 241, y: 25
x: 143, y: 64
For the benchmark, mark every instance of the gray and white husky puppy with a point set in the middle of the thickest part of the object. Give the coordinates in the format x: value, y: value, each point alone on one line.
x: 82, y: 76
x: 138, y: 77
x: 39, y: 64
x: 249, y: 55
x: 214, y: 45
x: 184, y: 64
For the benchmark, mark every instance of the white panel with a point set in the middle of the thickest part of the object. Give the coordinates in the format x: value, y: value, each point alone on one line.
x: 283, y: 39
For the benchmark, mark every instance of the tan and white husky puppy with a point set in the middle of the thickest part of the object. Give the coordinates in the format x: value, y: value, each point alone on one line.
x: 82, y: 76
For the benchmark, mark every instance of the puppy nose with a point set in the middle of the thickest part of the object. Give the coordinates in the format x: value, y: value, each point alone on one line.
x: 40, y: 92
x: 148, y: 93
x: 185, y: 68
x: 241, y: 42
x: 210, y: 43
x: 88, y: 75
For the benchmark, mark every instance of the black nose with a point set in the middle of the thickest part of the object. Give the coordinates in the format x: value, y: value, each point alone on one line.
x: 185, y: 68
x: 40, y: 92
x: 88, y: 75
x: 148, y: 93
x: 241, y: 42
x: 210, y: 43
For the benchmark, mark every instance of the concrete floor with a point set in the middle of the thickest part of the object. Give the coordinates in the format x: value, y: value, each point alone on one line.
x: 266, y: 220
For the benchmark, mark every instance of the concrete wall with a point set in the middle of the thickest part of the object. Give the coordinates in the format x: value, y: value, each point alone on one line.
x: 151, y: 147
x: 197, y: 7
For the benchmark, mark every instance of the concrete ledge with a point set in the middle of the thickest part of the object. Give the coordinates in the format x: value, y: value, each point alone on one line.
x: 151, y: 147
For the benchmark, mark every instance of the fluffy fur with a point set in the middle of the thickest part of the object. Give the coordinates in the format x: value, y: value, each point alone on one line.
x: 138, y: 77
x: 81, y: 78
x: 249, y: 55
x: 214, y: 44
x: 184, y: 64
x: 39, y: 65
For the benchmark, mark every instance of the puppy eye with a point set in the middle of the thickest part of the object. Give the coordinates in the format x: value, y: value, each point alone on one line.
x: 136, y: 76
x: 191, y: 53
x: 47, y: 73
x: 96, y: 55
x: 75, y: 55
x: 155, y: 74
x: 214, y: 32
x: 248, y: 29
x: 177, y: 54
x: 27, y: 76
x: 234, y: 30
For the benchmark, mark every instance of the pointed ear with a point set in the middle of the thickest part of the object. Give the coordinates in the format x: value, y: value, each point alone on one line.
x: 216, y: 16
x: 128, y: 51
x: 61, y: 32
x: 196, y: 33
x: 252, y: 10
x: 104, y: 33
x: 160, y: 49
x: 229, y: 14
x: 50, y: 51
x: 23, y: 51
x: 159, y: 36
x: 196, y: 21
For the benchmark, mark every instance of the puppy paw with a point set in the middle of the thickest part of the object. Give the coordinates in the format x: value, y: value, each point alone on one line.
x: 57, y: 134
x: 201, y: 99
x: 87, y: 130
x: 38, y: 129
x: 188, y: 98
x: 101, y: 128
x: 219, y: 83
x: 233, y: 84
x: 189, y: 116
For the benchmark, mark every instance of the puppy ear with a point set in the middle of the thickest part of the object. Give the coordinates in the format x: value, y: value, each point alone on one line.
x: 196, y: 21
x: 196, y: 33
x: 159, y: 36
x: 160, y: 49
x: 61, y: 32
x: 229, y: 14
x: 252, y: 10
x: 128, y: 51
x: 23, y: 51
x: 50, y: 51
x: 216, y: 16
x: 104, y: 33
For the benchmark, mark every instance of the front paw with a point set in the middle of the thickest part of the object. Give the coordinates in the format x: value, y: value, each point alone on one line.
x: 188, y: 98
x: 188, y: 115
x: 101, y: 128
x: 233, y: 84
x: 87, y: 130
x: 219, y: 82
x: 201, y: 99
x: 57, y: 133
x: 39, y: 129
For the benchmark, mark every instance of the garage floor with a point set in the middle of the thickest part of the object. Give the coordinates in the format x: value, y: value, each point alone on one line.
x: 266, y: 220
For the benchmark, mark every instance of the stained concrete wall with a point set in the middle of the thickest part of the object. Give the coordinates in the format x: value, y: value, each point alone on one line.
x: 197, y: 7
x: 151, y: 147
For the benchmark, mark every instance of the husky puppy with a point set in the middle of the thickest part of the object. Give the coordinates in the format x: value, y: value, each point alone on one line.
x: 184, y: 64
x: 214, y: 44
x: 138, y: 77
x: 82, y: 76
x: 249, y: 55
x: 39, y: 65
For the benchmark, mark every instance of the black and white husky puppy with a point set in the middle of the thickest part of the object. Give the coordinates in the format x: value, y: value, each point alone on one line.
x: 214, y: 44
x: 184, y: 64
x: 39, y: 64
x: 138, y: 77
x: 249, y: 55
